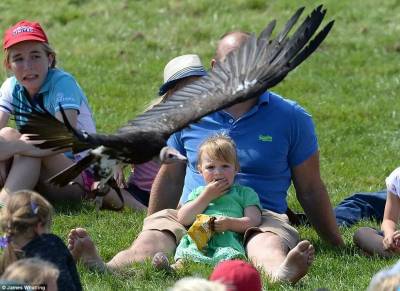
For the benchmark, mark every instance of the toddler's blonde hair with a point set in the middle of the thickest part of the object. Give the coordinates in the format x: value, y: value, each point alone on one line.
x: 219, y: 147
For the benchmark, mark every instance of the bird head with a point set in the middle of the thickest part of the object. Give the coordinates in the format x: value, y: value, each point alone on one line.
x: 170, y: 155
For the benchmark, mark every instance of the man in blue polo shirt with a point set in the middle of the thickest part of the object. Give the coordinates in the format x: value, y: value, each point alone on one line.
x: 276, y: 145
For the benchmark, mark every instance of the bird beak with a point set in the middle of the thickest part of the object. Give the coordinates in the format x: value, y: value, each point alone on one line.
x: 180, y: 158
x: 170, y: 155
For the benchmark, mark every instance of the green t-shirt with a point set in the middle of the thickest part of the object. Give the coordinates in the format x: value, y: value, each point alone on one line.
x: 226, y: 245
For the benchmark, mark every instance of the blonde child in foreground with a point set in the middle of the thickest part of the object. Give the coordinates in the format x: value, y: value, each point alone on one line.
x: 26, y: 222
x: 32, y: 271
x: 235, y: 207
x: 387, y: 279
x: 385, y: 243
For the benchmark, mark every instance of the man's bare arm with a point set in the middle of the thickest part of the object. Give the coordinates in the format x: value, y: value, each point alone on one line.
x: 313, y: 197
x: 167, y: 187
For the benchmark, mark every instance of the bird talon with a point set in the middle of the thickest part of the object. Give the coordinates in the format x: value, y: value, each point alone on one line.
x: 98, y: 203
x: 101, y: 190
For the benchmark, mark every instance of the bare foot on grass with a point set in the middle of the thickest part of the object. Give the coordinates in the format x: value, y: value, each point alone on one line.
x: 297, y: 263
x: 82, y: 248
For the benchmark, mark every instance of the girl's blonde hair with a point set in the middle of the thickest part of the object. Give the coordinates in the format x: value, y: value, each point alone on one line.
x: 24, y: 211
x: 219, y: 147
x: 47, y: 49
x: 32, y: 271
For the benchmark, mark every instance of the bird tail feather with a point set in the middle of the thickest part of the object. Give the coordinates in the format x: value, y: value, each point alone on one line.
x: 65, y: 176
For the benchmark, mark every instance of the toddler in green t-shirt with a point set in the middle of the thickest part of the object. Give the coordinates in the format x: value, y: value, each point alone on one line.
x: 235, y: 207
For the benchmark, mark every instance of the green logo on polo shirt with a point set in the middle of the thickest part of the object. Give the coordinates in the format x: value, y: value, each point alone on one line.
x: 265, y: 138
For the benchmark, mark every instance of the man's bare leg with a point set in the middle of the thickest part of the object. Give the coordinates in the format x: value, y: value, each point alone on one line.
x: 268, y: 251
x: 147, y: 244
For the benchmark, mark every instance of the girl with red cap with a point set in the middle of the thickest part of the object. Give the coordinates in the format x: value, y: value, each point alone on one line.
x: 36, y: 81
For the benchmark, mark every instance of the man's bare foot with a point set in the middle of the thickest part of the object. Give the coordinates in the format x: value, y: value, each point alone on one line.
x: 82, y: 248
x: 297, y: 262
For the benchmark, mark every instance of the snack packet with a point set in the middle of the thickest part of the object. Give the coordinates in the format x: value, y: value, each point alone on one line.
x: 202, y: 230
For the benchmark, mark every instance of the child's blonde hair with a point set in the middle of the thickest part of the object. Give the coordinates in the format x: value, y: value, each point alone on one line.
x: 23, y: 212
x: 197, y: 284
x: 46, y: 47
x: 219, y: 147
x: 390, y: 283
x: 387, y: 279
x: 33, y: 271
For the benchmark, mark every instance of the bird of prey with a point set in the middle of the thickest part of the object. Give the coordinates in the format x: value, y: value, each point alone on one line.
x: 257, y: 65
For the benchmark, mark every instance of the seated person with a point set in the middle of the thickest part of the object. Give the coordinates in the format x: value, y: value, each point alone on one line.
x: 235, y: 208
x: 35, y: 81
x: 386, y: 242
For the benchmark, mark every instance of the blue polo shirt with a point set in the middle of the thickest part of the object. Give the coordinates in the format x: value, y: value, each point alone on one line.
x: 271, y: 138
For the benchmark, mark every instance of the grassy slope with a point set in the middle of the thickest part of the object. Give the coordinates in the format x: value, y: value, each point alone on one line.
x: 117, y: 50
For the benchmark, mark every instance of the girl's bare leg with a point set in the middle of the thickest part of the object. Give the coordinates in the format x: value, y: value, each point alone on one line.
x: 23, y: 174
x: 4, y: 169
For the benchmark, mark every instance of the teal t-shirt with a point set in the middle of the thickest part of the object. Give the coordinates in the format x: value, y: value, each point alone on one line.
x: 226, y: 245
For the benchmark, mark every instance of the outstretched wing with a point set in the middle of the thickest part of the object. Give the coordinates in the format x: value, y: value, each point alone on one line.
x: 259, y: 64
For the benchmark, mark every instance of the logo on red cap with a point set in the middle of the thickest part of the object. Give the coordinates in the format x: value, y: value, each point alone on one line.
x: 22, y: 28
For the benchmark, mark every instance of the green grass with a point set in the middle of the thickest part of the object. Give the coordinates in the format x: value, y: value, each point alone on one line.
x: 117, y: 51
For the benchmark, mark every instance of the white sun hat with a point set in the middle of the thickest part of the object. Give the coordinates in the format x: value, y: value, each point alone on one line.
x: 179, y: 68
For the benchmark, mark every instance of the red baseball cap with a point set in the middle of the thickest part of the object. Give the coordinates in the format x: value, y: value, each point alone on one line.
x: 237, y: 275
x: 23, y: 31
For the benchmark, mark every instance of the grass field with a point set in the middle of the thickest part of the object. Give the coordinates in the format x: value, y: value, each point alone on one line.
x: 117, y: 51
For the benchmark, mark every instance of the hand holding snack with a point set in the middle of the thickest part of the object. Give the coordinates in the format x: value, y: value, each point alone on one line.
x: 202, y: 230
x: 222, y: 223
